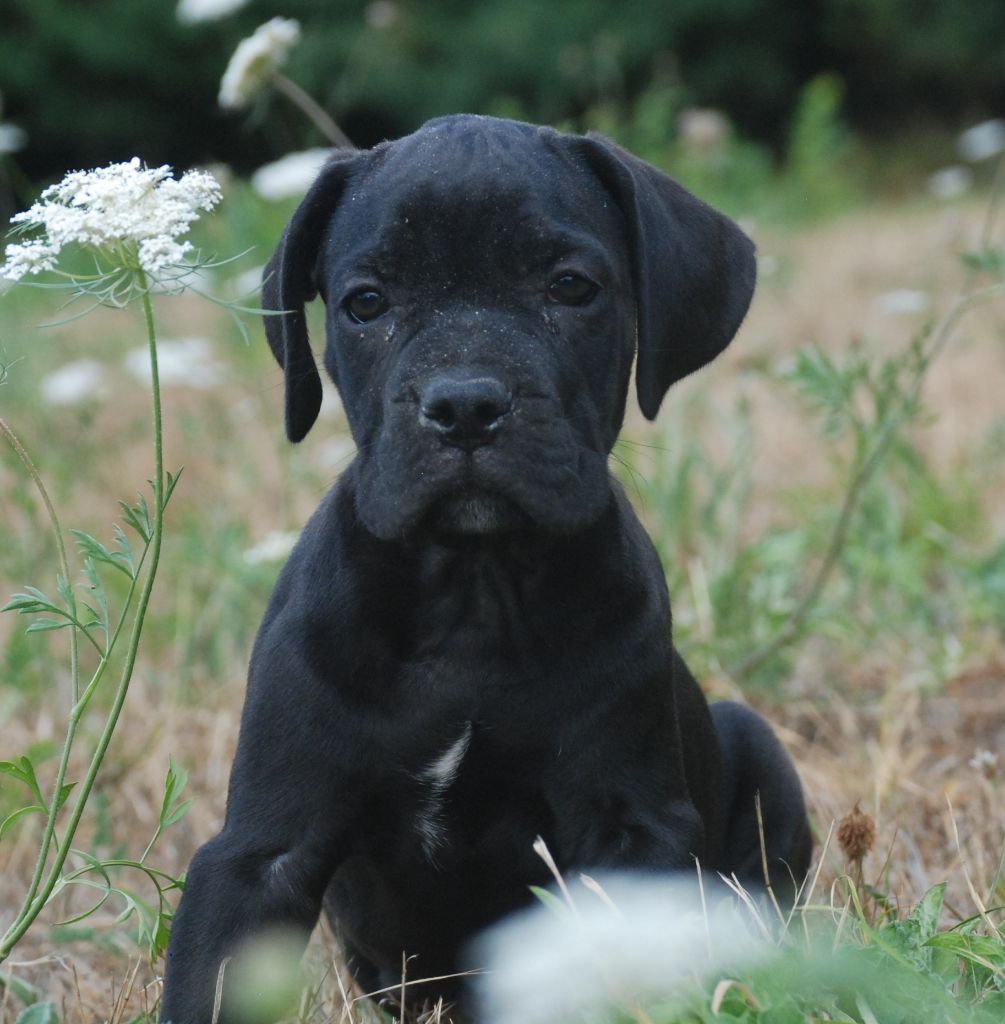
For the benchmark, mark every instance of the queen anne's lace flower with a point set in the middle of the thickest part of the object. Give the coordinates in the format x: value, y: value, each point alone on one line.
x: 255, y: 60
x: 134, y: 213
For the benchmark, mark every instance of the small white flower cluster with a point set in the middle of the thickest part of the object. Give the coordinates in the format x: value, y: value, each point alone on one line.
x: 985, y: 762
x: 189, y: 12
x: 978, y: 143
x: 255, y: 61
x: 134, y: 213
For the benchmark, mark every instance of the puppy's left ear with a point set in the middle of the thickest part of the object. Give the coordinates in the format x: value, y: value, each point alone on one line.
x: 288, y: 283
x: 693, y: 269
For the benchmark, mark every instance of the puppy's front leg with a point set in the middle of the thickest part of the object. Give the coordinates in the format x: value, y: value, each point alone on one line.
x: 289, y: 814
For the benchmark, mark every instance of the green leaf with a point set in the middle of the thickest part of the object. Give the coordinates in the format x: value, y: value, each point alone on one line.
x: 39, y: 1013
x: 174, y: 784
x: 25, y: 992
x: 977, y: 949
x: 988, y: 261
x: 172, y: 483
x: 927, y: 912
x: 92, y: 548
x: 97, y: 589
x: 31, y: 600
x: 65, y: 591
x: 24, y: 771
x: 18, y: 814
x: 46, y: 625
x: 125, y: 551
x: 64, y: 793
x: 910, y: 936
x: 550, y: 900
x: 138, y: 517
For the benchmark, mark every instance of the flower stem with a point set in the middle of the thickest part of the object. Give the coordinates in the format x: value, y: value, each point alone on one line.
x: 314, y: 111
x: 37, y: 898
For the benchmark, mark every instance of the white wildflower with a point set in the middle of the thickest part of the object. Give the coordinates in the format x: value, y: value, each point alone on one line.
x: 290, y: 176
x: 950, y: 182
x: 544, y: 966
x: 273, y: 547
x: 133, y: 213
x: 185, y: 362
x: 80, y: 381
x: 12, y: 138
x: 904, y: 300
x: 381, y: 14
x: 703, y: 130
x: 984, y: 762
x: 31, y: 257
x: 256, y: 60
x: 189, y: 12
x: 984, y: 140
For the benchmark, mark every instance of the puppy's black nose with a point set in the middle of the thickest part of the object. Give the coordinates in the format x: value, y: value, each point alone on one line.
x: 465, y: 411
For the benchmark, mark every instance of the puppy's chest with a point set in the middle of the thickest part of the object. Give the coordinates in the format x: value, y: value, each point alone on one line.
x: 471, y: 610
x: 467, y: 792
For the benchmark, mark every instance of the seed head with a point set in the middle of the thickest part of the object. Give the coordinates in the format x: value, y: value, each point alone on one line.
x: 856, y: 833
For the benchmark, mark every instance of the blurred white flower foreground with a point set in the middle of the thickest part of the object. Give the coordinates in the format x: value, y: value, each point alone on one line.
x: 132, y: 214
x: 646, y: 938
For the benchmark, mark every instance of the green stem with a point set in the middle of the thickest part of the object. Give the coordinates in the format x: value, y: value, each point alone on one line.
x: 34, y: 905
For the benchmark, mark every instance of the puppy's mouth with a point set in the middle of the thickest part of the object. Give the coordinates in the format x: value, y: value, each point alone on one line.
x: 472, y: 510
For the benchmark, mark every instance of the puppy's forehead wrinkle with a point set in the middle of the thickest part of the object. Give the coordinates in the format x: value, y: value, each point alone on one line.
x: 494, y: 192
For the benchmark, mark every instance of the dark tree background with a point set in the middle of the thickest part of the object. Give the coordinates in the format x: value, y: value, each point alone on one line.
x: 99, y: 80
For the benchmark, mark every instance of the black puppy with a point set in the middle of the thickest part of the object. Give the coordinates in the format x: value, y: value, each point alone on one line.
x: 470, y: 645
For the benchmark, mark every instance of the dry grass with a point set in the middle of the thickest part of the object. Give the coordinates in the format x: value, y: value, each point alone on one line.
x: 860, y: 732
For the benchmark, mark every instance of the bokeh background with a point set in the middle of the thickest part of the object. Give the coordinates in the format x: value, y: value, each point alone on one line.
x: 858, y: 141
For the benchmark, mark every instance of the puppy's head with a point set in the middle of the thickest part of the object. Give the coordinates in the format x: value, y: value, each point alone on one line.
x: 487, y: 286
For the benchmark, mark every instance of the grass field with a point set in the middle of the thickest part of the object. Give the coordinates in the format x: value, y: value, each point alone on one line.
x: 891, y: 696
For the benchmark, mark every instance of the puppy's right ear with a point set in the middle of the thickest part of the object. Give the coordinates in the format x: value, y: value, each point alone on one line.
x: 288, y: 283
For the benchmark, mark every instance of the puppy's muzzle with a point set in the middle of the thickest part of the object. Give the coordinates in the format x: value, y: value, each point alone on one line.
x: 464, y: 412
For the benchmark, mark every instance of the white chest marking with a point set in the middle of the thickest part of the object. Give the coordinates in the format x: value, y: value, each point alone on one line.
x: 439, y: 776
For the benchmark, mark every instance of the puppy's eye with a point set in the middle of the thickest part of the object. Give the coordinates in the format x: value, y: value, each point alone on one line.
x: 366, y: 305
x: 572, y: 290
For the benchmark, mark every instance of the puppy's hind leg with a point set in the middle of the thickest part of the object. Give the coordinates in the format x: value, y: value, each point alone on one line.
x: 757, y: 768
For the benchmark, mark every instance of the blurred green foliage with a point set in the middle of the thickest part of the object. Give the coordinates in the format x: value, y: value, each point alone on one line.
x: 98, y: 80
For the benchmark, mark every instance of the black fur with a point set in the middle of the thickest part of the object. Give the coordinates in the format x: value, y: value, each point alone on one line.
x: 470, y: 645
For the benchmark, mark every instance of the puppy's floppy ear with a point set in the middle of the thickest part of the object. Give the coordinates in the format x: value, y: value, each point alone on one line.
x: 693, y: 269
x: 288, y: 283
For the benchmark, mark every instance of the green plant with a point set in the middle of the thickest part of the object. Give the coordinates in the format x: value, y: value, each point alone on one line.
x: 886, y: 550
x: 129, y: 220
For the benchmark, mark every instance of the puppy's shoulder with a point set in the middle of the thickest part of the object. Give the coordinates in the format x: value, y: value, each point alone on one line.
x: 319, y: 565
